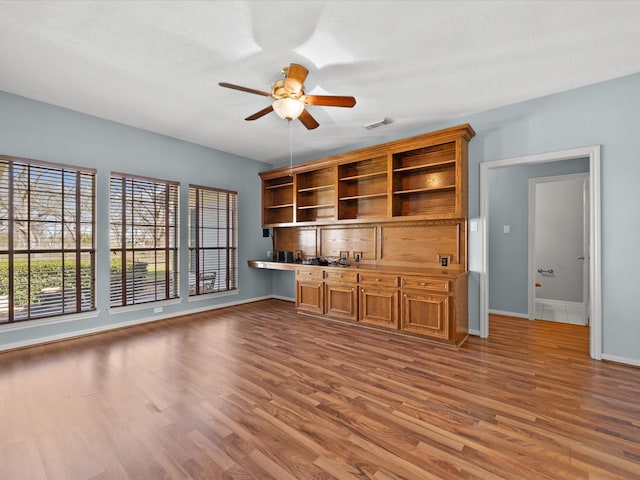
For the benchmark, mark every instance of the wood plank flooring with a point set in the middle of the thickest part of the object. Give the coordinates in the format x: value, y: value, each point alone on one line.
x: 259, y: 392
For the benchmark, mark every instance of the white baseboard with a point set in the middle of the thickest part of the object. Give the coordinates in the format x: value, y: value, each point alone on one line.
x: 614, y: 358
x: 510, y: 314
x: 130, y: 323
x: 286, y: 299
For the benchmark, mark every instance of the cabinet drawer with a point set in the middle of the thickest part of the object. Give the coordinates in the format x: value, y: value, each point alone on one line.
x: 303, y: 274
x: 383, y: 279
x: 341, y: 276
x: 426, y: 283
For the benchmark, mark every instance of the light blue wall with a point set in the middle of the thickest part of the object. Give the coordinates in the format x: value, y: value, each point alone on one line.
x: 508, y: 195
x: 36, y: 130
x: 606, y: 114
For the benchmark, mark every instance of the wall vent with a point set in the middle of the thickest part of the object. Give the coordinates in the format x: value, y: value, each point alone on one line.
x: 379, y: 123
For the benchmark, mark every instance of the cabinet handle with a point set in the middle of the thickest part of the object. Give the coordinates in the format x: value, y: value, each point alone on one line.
x: 422, y: 284
x: 377, y: 279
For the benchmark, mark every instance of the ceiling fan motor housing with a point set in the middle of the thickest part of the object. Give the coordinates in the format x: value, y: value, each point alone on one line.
x: 285, y: 89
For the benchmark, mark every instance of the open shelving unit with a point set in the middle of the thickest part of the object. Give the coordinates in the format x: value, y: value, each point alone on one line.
x: 418, y: 178
x: 277, y: 200
x: 362, y: 188
x: 315, y: 195
x: 425, y: 182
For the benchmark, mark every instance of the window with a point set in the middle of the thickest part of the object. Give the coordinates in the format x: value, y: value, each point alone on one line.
x: 47, y: 253
x: 144, y: 240
x: 213, y: 244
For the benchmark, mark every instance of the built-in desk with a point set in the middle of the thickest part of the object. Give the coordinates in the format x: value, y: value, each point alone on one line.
x: 427, y: 302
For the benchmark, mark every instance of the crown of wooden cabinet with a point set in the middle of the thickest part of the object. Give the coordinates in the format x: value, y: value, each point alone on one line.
x: 422, y: 177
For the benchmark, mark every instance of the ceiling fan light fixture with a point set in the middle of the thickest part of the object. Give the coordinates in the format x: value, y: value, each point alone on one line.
x: 288, y: 108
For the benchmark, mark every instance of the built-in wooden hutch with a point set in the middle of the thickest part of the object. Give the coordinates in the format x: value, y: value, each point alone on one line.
x: 398, y: 213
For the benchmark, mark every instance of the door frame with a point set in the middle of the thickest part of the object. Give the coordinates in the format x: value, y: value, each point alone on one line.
x: 595, y: 287
x: 584, y: 176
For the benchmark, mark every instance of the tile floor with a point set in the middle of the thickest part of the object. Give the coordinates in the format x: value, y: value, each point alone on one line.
x: 560, y: 312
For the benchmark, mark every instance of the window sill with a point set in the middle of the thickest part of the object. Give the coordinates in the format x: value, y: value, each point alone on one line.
x: 10, y: 327
x: 209, y: 296
x: 143, y: 306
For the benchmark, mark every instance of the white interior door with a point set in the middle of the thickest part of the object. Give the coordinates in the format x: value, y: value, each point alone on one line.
x: 560, y: 248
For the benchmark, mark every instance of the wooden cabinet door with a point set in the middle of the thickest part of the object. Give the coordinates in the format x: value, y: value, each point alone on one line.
x: 425, y: 313
x: 341, y: 300
x: 378, y: 306
x: 310, y: 296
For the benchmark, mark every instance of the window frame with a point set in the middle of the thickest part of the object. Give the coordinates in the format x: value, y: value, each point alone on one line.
x: 85, y: 297
x: 230, y: 248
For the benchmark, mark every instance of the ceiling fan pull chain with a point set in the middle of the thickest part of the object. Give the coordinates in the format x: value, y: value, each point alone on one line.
x: 290, y: 148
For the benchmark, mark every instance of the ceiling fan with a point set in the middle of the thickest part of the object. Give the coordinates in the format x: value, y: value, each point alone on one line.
x: 290, y: 99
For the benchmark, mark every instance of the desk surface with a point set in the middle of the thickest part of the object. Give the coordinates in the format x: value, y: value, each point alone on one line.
x: 431, y: 272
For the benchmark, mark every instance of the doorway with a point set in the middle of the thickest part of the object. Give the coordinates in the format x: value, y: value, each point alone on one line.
x: 594, y: 260
x: 558, y: 248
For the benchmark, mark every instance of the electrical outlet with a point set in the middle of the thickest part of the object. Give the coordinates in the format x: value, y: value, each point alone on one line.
x: 157, y: 310
x: 357, y: 256
x: 444, y: 259
x: 344, y: 256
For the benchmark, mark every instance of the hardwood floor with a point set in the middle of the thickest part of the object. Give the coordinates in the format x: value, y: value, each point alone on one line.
x: 259, y: 392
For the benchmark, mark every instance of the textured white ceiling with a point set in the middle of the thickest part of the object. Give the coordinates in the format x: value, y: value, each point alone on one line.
x: 156, y: 64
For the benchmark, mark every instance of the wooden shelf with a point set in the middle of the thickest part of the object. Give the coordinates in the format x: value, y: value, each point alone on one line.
x: 429, y: 189
x: 281, y: 185
x: 424, y: 166
x: 358, y: 197
x: 284, y: 205
x: 315, y: 189
x: 364, y: 176
x: 311, y: 207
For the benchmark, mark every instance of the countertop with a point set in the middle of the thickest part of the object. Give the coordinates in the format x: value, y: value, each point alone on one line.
x: 364, y: 267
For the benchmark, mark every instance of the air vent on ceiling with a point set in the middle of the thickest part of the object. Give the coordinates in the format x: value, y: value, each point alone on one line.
x: 379, y: 123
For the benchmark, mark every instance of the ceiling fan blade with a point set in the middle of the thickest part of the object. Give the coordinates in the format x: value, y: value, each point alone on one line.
x: 308, y: 121
x: 261, y: 113
x: 296, y: 74
x: 243, y: 89
x: 330, y: 100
